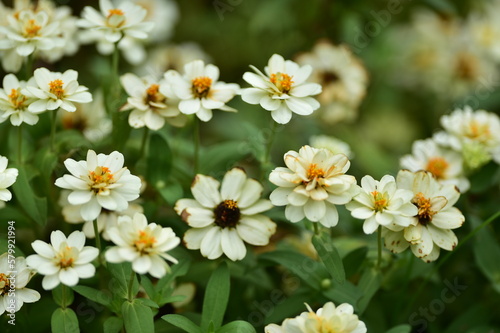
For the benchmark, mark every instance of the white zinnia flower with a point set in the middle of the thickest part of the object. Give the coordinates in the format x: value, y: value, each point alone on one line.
x: 115, y: 22
x: 430, y: 230
x: 143, y: 244
x: 282, y: 90
x: 382, y: 203
x: 476, y: 134
x: 64, y: 260
x: 335, y: 145
x: 444, y: 164
x: 13, y: 104
x: 55, y: 90
x: 312, y: 184
x: 150, y: 101
x: 327, y: 319
x: 222, y: 220
x: 99, y: 182
x: 199, y: 89
x: 14, y: 276
x: 343, y: 77
x: 164, y: 14
x: 7, y: 178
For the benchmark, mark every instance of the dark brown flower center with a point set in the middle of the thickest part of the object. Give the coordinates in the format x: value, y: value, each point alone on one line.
x: 227, y: 214
x: 423, y: 204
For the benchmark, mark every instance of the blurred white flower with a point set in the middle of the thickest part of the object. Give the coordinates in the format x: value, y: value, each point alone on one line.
x: 430, y: 230
x: 99, y: 182
x: 151, y: 101
x: 312, y: 184
x: 335, y: 145
x: 343, y: 77
x: 13, y: 104
x: 222, y: 220
x: 115, y: 22
x: 199, y: 89
x: 53, y: 90
x: 8, y: 177
x: 143, y: 244
x: 381, y: 203
x: 329, y: 318
x: 476, y: 132
x: 64, y: 260
x: 444, y: 164
x: 164, y: 14
x: 282, y: 90
x: 14, y: 276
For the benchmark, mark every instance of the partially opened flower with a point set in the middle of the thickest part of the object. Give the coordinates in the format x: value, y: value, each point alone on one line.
x: 143, y: 244
x: 151, y: 101
x: 199, y: 89
x: 312, y: 184
x: 444, y: 164
x: 223, y: 220
x: 328, y: 319
x: 13, y: 104
x: 431, y: 229
x: 8, y: 177
x: 14, y: 276
x: 99, y: 182
x: 282, y: 89
x: 381, y: 203
x: 114, y: 22
x: 64, y: 260
x: 55, y: 90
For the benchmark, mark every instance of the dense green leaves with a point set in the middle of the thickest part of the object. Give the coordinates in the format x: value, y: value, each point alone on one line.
x: 329, y: 256
x: 216, y: 298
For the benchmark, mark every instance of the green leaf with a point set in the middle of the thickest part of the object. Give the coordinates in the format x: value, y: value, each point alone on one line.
x: 171, y: 191
x: 64, y: 321
x: 216, y: 298
x: 239, y: 326
x: 220, y: 157
x: 61, y: 292
x: 137, y: 317
x: 182, y: 322
x: 34, y: 206
x: 113, y: 325
x: 486, y: 253
x: 159, y: 161
x: 369, y: 284
x: 405, y: 328
x: 330, y: 257
x: 281, y: 307
x: 122, y: 272
x: 345, y: 293
x: 95, y: 295
x: 148, y: 302
x: 353, y: 260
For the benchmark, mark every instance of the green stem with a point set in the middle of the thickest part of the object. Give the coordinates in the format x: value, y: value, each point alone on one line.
x: 53, y: 122
x: 63, y: 301
x: 98, y: 241
x: 144, y: 141
x: 20, y: 145
x: 130, y: 286
x: 379, y: 242
x: 316, y: 228
x: 28, y: 68
x: 196, y: 139
x: 267, y: 154
x: 447, y: 256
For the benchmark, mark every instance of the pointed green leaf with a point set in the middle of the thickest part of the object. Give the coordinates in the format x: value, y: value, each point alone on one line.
x: 369, y: 284
x: 94, y: 295
x: 239, y: 326
x: 330, y: 257
x: 216, y: 298
x: 405, y: 328
x: 138, y: 318
x: 486, y: 253
x: 159, y: 161
x: 64, y: 321
x: 63, y: 295
x: 182, y: 322
x: 113, y: 325
x: 34, y: 206
x: 122, y: 273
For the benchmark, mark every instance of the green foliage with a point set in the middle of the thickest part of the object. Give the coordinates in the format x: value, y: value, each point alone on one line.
x: 64, y: 321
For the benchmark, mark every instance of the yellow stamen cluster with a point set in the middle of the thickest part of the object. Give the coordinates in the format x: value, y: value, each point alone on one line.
x: 56, y: 88
x: 282, y: 81
x: 144, y: 242
x: 379, y: 201
x: 115, y: 11
x: 116, y: 18
x: 100, y: 178
x: 423, y: 204
x: 4, y: 284
x: 153, y: 95
x: 314, y: 171
x: 201, y: 86
x: 31, y: 29
x: 66, y: 257
x: 17, y: 99
x: 478, y: 131
x: 437, y: 166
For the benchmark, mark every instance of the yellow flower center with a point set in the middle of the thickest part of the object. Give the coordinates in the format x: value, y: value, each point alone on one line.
x: 4, y: 284
x: 31, y: 29
x: 153, y: 95
x: 144, y: 242
x: 423, y: 204
x: 379, y: 201
x: 314, y: 171
x: 66, y: 256
x: 101, y: 178
x: 282, y: 81
x: 17, y: 99
x: 437, y: 166
x: 56, y: 88
x: 115, y: 18
x: 478, y: 131
x: 201, y: 86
